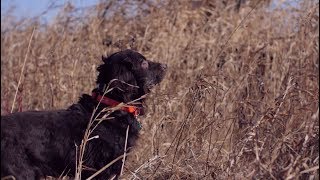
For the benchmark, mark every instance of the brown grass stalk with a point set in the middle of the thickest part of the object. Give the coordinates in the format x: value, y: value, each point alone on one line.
x: 22, y: 70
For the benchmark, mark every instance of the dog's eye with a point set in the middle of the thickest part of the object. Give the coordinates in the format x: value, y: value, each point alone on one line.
x: 145, y: 64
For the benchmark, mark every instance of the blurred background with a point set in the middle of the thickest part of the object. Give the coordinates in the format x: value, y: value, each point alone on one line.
x: 46, y: 9
x: 240, y: 99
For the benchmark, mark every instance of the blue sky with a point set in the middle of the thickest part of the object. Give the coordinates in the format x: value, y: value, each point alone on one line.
x: 30, y: 8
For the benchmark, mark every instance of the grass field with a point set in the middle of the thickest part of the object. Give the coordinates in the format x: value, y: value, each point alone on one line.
x: 240, y: 99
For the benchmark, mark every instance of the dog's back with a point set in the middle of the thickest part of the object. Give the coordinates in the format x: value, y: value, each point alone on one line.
x: 37, y: 144
x: 33, y: 144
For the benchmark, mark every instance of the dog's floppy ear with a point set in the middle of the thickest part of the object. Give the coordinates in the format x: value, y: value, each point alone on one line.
x: 127, y: 62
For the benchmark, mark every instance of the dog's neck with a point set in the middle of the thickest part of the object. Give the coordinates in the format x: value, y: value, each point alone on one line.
x: 133, y: 109
x: 107, y: 100
x: 115, y: 94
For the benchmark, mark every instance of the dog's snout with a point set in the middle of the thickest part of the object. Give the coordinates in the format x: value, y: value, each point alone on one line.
x: 163, y: 67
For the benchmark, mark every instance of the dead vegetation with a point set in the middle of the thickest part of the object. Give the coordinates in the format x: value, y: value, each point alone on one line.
x: 240, y: 100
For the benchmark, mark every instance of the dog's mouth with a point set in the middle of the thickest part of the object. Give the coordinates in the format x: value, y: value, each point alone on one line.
x: 150, y: 86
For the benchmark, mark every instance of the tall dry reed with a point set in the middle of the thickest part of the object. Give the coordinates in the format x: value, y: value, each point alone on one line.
x: 240, y: 99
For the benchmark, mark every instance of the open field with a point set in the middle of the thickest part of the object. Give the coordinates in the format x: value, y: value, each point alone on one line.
x: 240, y: 99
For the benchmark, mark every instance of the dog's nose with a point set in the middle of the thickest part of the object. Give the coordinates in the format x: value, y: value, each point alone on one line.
x: 164, y: 67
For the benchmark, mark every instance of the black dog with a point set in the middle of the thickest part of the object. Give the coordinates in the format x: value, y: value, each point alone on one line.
x: 39, y: 144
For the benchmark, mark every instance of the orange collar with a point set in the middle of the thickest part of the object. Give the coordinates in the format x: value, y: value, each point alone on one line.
x: 136, y: 111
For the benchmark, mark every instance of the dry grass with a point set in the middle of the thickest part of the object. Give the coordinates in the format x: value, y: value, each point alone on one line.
x: 240, y: 99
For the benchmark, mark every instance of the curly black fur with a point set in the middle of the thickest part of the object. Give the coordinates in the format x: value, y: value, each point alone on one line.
x: 36, y: 144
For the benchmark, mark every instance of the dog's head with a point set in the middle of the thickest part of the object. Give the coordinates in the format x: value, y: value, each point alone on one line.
x: 129, y: 74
